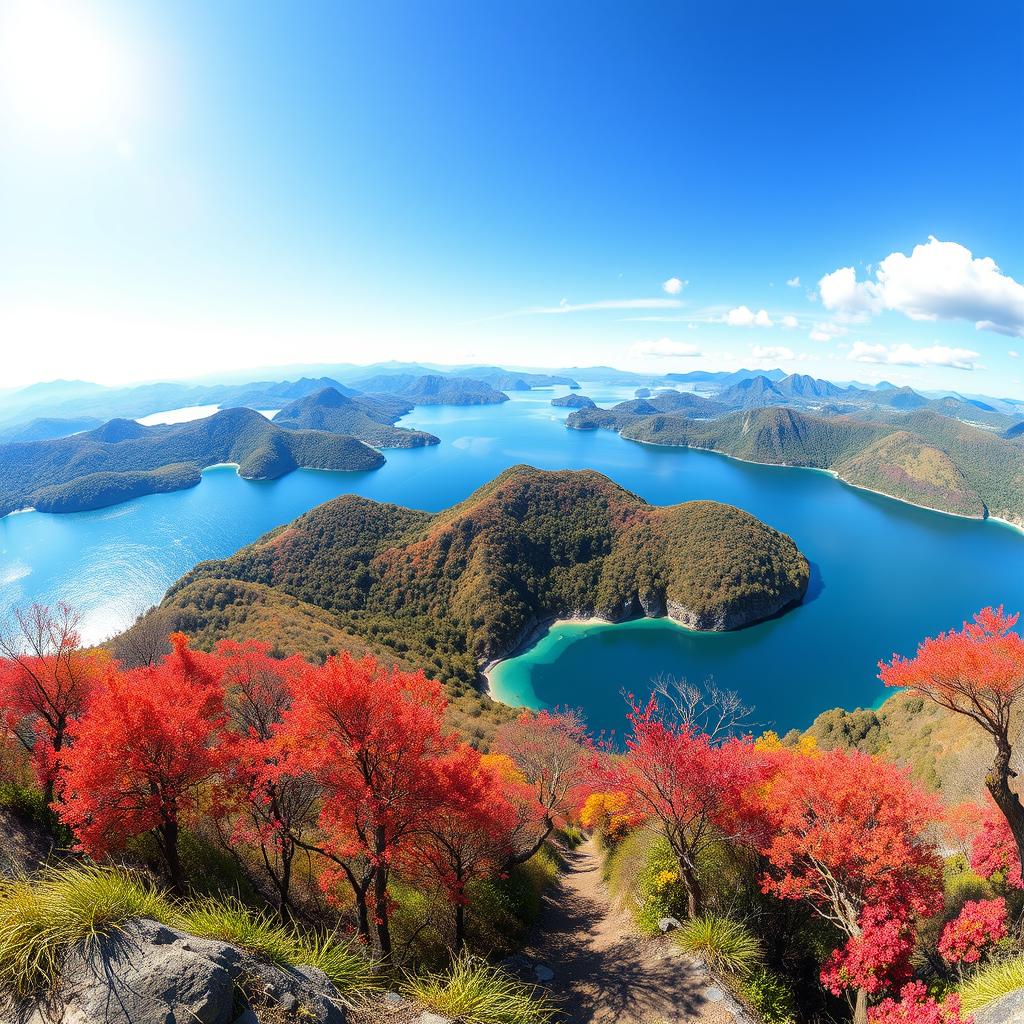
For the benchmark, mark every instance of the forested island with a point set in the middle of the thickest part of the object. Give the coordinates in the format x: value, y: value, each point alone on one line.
x: 920, y: 456
x: 370, y: 418
x: 453, y: 590
x: 123, y: 459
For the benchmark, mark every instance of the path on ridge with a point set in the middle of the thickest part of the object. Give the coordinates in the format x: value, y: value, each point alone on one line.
x: 605, y: 972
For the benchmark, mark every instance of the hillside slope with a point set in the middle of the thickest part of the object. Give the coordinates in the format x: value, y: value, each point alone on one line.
x: 921, y: 456
x: 123, y: 459
x: 452, y: 590
x: 434, y: 389
x: 365, y: 418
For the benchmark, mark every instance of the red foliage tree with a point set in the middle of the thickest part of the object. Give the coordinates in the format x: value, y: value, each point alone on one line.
x: 260, y: 806
x: 692, y: 790
x: 848, y: 836
x: 915, y: 1006
x: 979, y: 924
x: 469, y: 835
x: 551, y: 751
x: 370, y: 739
x: 143, y: 755
x: 977, y: 672
x: 46, y: 680
x: 994, y: 850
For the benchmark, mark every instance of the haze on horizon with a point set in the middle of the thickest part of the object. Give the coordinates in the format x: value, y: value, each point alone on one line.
x: 192, y: 189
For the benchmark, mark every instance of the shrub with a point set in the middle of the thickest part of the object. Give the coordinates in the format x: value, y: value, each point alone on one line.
x: 474, y: 992
x: 771, y: 996
x: 722, y: 944
x: 42, y: 919
x: 991, y: 983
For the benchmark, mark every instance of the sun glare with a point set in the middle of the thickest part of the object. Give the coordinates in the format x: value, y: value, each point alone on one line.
x: 60, y: 67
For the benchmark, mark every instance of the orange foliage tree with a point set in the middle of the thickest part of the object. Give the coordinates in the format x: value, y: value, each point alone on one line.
x: 977, y: 672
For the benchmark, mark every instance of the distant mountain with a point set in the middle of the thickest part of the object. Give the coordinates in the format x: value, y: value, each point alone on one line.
x: 681, y: 403
x: 47, y: 427
x: 434, y: 389
x: 724, y: 377
x: 800, y: 385
x: 123, y: 459
x: 752, y: 392
x: 514, y: 380
x: 363, y: 418
x: 454, y: 589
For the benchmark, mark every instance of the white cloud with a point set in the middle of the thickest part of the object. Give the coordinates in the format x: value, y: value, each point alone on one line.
x: 793, y: 282
x: 665, y: 347
x: 772, y: 352
x: 937, y: 281
x: 1013, y: 354
x: 826, y: 331
x: 565, y: 306
x: 906, y: 355
x: 743, y: 316
x: 673, y: 286
x: 790, y: 321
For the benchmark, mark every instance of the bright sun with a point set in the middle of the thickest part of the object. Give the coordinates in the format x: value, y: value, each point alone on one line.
x: 60, y: 68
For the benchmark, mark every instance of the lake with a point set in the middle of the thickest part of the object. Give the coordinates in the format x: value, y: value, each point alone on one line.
x: 885, y: 574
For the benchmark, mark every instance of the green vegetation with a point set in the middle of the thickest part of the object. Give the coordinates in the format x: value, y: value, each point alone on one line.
x: 992, y: 983
x: 724, y: 945
x: 573, y: 402
x: 474, y: 992
x: 434, y: 389
x: 920, y: 456
x: 123, y: 459
x: 368, y: 419
x: 43, y: 918
x: 770, y: 995
x: 452, y: 590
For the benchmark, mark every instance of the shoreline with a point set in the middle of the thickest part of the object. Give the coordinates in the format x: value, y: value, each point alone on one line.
x: 836, y: 476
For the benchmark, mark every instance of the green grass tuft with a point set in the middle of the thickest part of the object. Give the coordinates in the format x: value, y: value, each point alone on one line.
x: 992, y: 982
x: 42, y: 919
x: 474, y: 992
x: 722, y: 944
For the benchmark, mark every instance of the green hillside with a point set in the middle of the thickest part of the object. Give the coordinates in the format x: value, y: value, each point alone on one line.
x: 452, y: 590
x: 123, y: 459
x: 364, y: 418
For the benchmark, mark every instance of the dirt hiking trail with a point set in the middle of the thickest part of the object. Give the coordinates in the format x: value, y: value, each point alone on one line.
x: 604, y: 972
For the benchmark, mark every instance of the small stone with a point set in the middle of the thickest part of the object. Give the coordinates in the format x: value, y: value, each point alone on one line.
x: 288, y: 1002
x: 393, y: 999
x: 666, y: 924
x: 426, y: 1017
x: 543, y: 972
x: 713, y: 994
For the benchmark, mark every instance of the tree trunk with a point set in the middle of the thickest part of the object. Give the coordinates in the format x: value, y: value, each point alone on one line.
x: 522, y: 858
x: 998, y: 783
x: 169, y: 842
x: 284, y: 910
x: 860, y: 1008
x: 694, y: 895
x: 383, y: 928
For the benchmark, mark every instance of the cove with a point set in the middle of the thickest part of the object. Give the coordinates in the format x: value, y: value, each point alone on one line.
x: 885, y: 574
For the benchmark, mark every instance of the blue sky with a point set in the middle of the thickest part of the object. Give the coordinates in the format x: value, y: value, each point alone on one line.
x: 192, y: 187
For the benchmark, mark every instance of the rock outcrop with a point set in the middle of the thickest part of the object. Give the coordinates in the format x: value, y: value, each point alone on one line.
x: 147, y: 973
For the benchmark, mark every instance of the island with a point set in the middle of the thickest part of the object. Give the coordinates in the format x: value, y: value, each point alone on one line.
x: 574, y: 402
x: 123, y: 459
x: 454, y: 590
x: 921, y: 456
x: 369, y: 418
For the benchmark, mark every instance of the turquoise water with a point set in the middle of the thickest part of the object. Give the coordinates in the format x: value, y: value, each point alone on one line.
x: 885, y: 574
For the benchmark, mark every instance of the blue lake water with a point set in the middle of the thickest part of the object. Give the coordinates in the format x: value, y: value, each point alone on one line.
x: 885, y: 573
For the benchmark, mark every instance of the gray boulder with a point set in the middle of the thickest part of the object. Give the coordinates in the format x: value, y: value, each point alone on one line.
x: 1009, y: 1009
x: 150, y: 974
